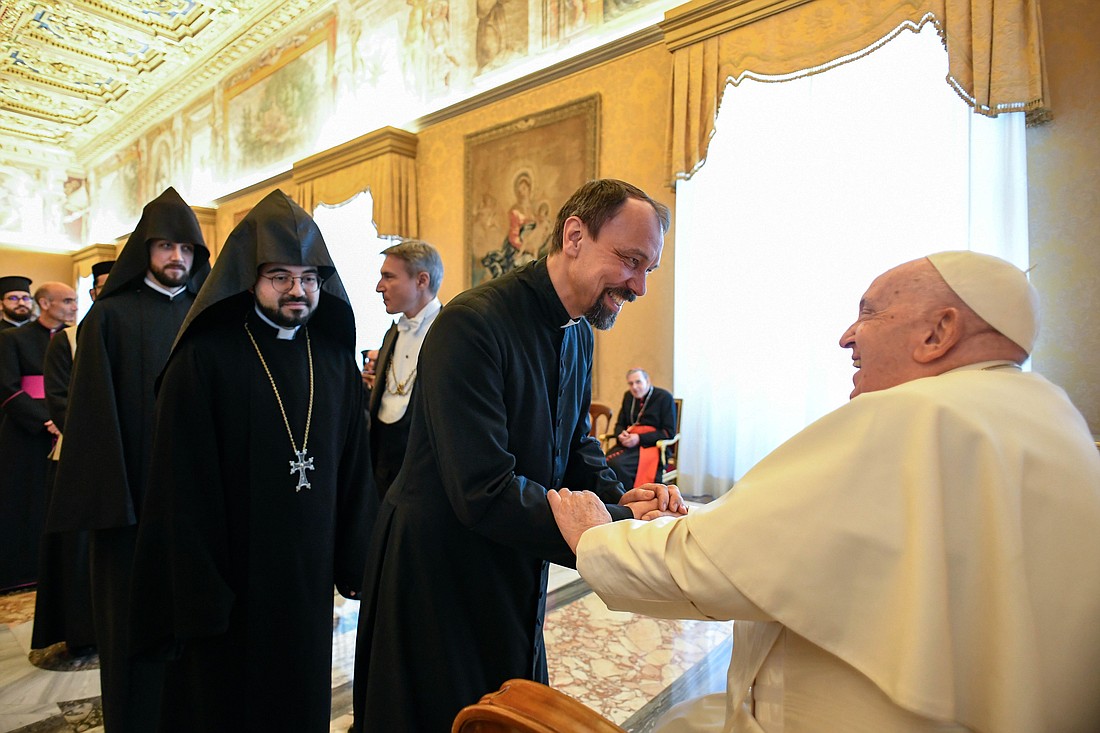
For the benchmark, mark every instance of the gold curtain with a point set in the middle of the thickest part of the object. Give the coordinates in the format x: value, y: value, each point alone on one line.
x: 383, y: 161
x: 994, y: 48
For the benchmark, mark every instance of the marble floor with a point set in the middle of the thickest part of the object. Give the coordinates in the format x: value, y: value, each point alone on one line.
x: 627, y: 667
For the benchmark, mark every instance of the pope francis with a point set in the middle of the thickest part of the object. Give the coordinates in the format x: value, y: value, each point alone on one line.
x: 921, y: 559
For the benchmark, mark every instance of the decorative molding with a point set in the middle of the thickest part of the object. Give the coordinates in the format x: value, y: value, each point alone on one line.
x: 388, y: 140
x: 701, y: 19
x: 644, y: 38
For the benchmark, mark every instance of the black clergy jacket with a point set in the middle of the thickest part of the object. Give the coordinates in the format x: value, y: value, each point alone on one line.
x: 455, y: 593
x: 24, y: 446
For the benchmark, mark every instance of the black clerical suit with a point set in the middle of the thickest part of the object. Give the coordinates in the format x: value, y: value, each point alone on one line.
x: 236, y: 562
x: 122, y: 346
x: 63, y: 598
x: 657, y: 410
x: 455, y: 592
x: 24, y: 449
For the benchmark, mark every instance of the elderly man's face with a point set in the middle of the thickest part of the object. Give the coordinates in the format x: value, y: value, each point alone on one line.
x: 613, y: 268
x: 887, y: 332
x: 59, y: 304
x: 638, y: 384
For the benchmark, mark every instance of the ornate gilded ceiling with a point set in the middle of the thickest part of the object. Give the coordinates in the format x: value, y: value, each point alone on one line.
x: 78, y: 76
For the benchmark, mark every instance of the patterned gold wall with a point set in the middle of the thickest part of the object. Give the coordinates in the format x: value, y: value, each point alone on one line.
x: 1064, y: 205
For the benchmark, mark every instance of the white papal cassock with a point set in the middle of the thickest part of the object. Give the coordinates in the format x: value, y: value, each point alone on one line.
x: 923, y: 558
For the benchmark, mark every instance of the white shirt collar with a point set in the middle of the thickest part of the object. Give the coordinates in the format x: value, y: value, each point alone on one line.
x: 161, y: 289
x: 404, y: 323
x: 281, y: 331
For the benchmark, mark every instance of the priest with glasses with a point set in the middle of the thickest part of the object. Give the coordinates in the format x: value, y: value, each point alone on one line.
x: 261, y: 495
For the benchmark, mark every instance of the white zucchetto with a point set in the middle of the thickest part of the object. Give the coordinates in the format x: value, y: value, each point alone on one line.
x: 996, y: 290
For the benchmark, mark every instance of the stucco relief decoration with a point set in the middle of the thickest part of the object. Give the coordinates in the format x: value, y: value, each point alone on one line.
x: 517, y: 177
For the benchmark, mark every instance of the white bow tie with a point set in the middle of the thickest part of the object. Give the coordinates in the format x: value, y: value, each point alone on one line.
x: 408, y: 324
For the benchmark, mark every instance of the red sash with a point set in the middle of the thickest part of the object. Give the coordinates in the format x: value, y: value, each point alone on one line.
x: 34, y: 386
x: 648, y: 458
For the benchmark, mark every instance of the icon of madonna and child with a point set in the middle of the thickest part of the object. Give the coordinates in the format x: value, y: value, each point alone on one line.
x: 530, y: 228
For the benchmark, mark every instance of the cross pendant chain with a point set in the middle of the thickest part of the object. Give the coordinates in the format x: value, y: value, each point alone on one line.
x: 303, y: 463
x: 301, y: 466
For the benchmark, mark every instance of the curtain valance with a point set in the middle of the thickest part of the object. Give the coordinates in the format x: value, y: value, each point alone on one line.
x: 994, y: 48
x: 383, y: 161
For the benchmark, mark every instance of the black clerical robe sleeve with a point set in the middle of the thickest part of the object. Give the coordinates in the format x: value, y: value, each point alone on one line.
x: 480, y: 389
x: 56, y: 372
x: 15, y: 404
x: 623, y: 422
x: 98, y: 499
x: 357, y: 500
x: 181, y: 588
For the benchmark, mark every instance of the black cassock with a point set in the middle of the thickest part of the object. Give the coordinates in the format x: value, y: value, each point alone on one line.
x: 63, y: 602
x: 24, y: 449
x: 123, y: 343
x: 234, y: 569
x: 455, y: 593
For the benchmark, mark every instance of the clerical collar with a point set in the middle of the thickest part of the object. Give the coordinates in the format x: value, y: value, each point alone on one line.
x: 404, y: 323
x: 17, y: 324
x: 286, y: 334
x: 570, y: 322
x: 161, y: 289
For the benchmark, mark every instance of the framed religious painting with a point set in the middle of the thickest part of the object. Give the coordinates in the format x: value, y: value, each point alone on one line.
x: 517, y: 176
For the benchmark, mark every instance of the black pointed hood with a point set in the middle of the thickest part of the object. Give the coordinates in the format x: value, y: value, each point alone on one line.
x: 166, y: 217
x: 276, y: 230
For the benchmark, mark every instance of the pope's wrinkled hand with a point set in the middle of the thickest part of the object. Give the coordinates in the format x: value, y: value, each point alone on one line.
x: 575, y: 512
x: 650, y: 501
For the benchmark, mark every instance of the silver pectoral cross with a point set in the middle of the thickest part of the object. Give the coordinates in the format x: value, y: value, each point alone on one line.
x: 301, y: 465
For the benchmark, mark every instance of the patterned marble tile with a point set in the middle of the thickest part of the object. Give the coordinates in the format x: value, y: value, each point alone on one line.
x: 17, y: 608
x: 617, y: 662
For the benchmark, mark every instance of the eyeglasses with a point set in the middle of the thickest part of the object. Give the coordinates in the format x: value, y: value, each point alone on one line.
x: 18, y: 298
x: 283, y: 282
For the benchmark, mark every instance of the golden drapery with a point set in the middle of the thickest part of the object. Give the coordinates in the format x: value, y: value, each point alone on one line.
x: 383, y: 161
x: 994, y: 49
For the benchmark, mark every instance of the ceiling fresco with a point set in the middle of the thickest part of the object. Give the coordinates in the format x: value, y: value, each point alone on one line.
x: 72, y: 72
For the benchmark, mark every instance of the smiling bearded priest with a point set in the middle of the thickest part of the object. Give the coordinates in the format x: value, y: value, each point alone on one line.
x: 920, y: 559
x: 455, y: 594
x: 261, y: 493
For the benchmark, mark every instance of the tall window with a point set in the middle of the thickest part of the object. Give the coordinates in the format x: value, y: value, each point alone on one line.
x: 811, y: 188
x: 354, y: 244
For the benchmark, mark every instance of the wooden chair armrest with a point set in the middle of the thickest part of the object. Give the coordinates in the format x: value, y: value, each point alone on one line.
x: 662, y: 445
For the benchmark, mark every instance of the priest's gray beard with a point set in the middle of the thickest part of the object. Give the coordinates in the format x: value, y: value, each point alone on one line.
x: 602, y: 317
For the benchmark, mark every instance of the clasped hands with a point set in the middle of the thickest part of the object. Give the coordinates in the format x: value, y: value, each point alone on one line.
x: 578, y: 511
x: 627, y: 439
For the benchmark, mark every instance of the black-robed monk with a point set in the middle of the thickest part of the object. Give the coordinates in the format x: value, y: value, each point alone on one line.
x: 63, y: 598
x: 122, y: 346
x: 237, y: 552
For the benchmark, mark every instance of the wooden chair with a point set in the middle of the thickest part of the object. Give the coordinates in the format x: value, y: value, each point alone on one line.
x: 670, y: 448
x: 597, y: 410
x: 523, y: 706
